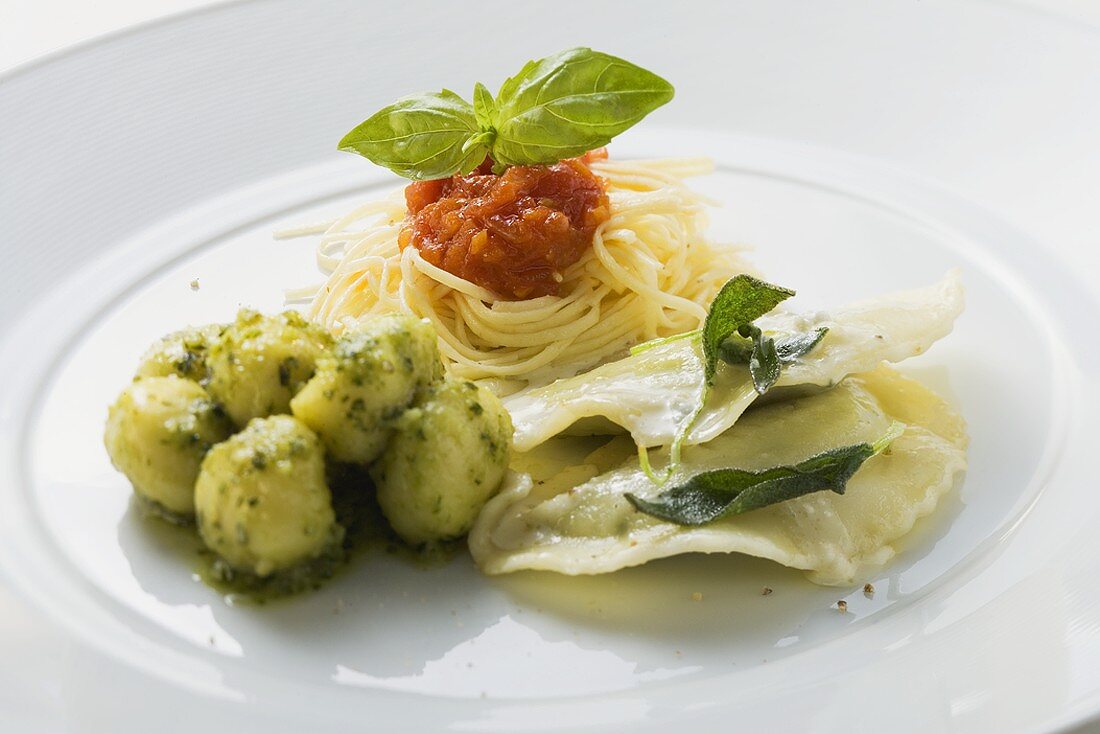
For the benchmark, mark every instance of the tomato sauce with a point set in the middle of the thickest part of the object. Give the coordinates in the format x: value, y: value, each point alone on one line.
x: 514, y: 233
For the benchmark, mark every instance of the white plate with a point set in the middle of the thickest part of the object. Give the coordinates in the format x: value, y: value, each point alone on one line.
x: 860, y: 148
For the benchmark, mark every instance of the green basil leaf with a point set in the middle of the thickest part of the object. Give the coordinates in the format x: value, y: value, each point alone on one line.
x: 485, y: 107
x: 720, y: 493
x: 763, y: 362
x: 569, y: 103
x: 742, y: 300
x: 422, y: 136
x: 792, y: 347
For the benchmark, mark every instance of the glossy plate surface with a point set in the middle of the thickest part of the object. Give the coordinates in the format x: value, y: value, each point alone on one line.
x: 853, y: 162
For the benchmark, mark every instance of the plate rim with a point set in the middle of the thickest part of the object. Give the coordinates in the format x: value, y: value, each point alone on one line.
x: 139, y: 270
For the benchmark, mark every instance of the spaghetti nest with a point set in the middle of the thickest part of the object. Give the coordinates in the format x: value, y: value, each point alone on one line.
x: 650, y: 273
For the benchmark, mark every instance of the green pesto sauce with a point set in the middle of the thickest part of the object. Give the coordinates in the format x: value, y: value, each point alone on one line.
x: 151, y: 508
x: 357, y: 510
x: 253, y: 589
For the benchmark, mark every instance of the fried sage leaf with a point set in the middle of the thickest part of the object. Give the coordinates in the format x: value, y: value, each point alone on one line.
x: 719, y: 493
x: 766, y: 356
x: 792, y: 347
x: 764, y: 363
x: 742, y: 300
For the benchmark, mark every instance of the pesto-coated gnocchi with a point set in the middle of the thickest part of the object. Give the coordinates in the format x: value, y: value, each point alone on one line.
x: 261, y: 499
x: 444, y: 463
x: 259, y: 362
x: 365, y: 382
x: 158, y: 431
x: 181, y: 353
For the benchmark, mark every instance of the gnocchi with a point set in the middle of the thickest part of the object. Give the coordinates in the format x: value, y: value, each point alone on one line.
x: 158, y: 431
x: 259, y: 362
x: 364, y: 384
x: 446, y: 460
x: 261, y: 499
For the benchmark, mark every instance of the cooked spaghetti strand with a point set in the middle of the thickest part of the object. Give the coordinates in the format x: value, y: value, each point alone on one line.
x: 650, y: 273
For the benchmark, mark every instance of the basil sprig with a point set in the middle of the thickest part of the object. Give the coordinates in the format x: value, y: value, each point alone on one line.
x: 720, y: 493
x: 557, y: 107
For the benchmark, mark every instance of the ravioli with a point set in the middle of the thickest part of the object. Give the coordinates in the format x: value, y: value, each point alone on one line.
x: 548, y: 523
x: 653, y: 393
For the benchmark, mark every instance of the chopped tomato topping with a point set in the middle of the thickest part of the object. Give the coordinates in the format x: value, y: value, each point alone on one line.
x: 514, y: 233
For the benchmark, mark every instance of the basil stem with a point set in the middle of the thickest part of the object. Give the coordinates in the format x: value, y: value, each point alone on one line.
x: 721, y: 493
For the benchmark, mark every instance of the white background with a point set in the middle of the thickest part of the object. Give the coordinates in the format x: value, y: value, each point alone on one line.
x: 30, y: 28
